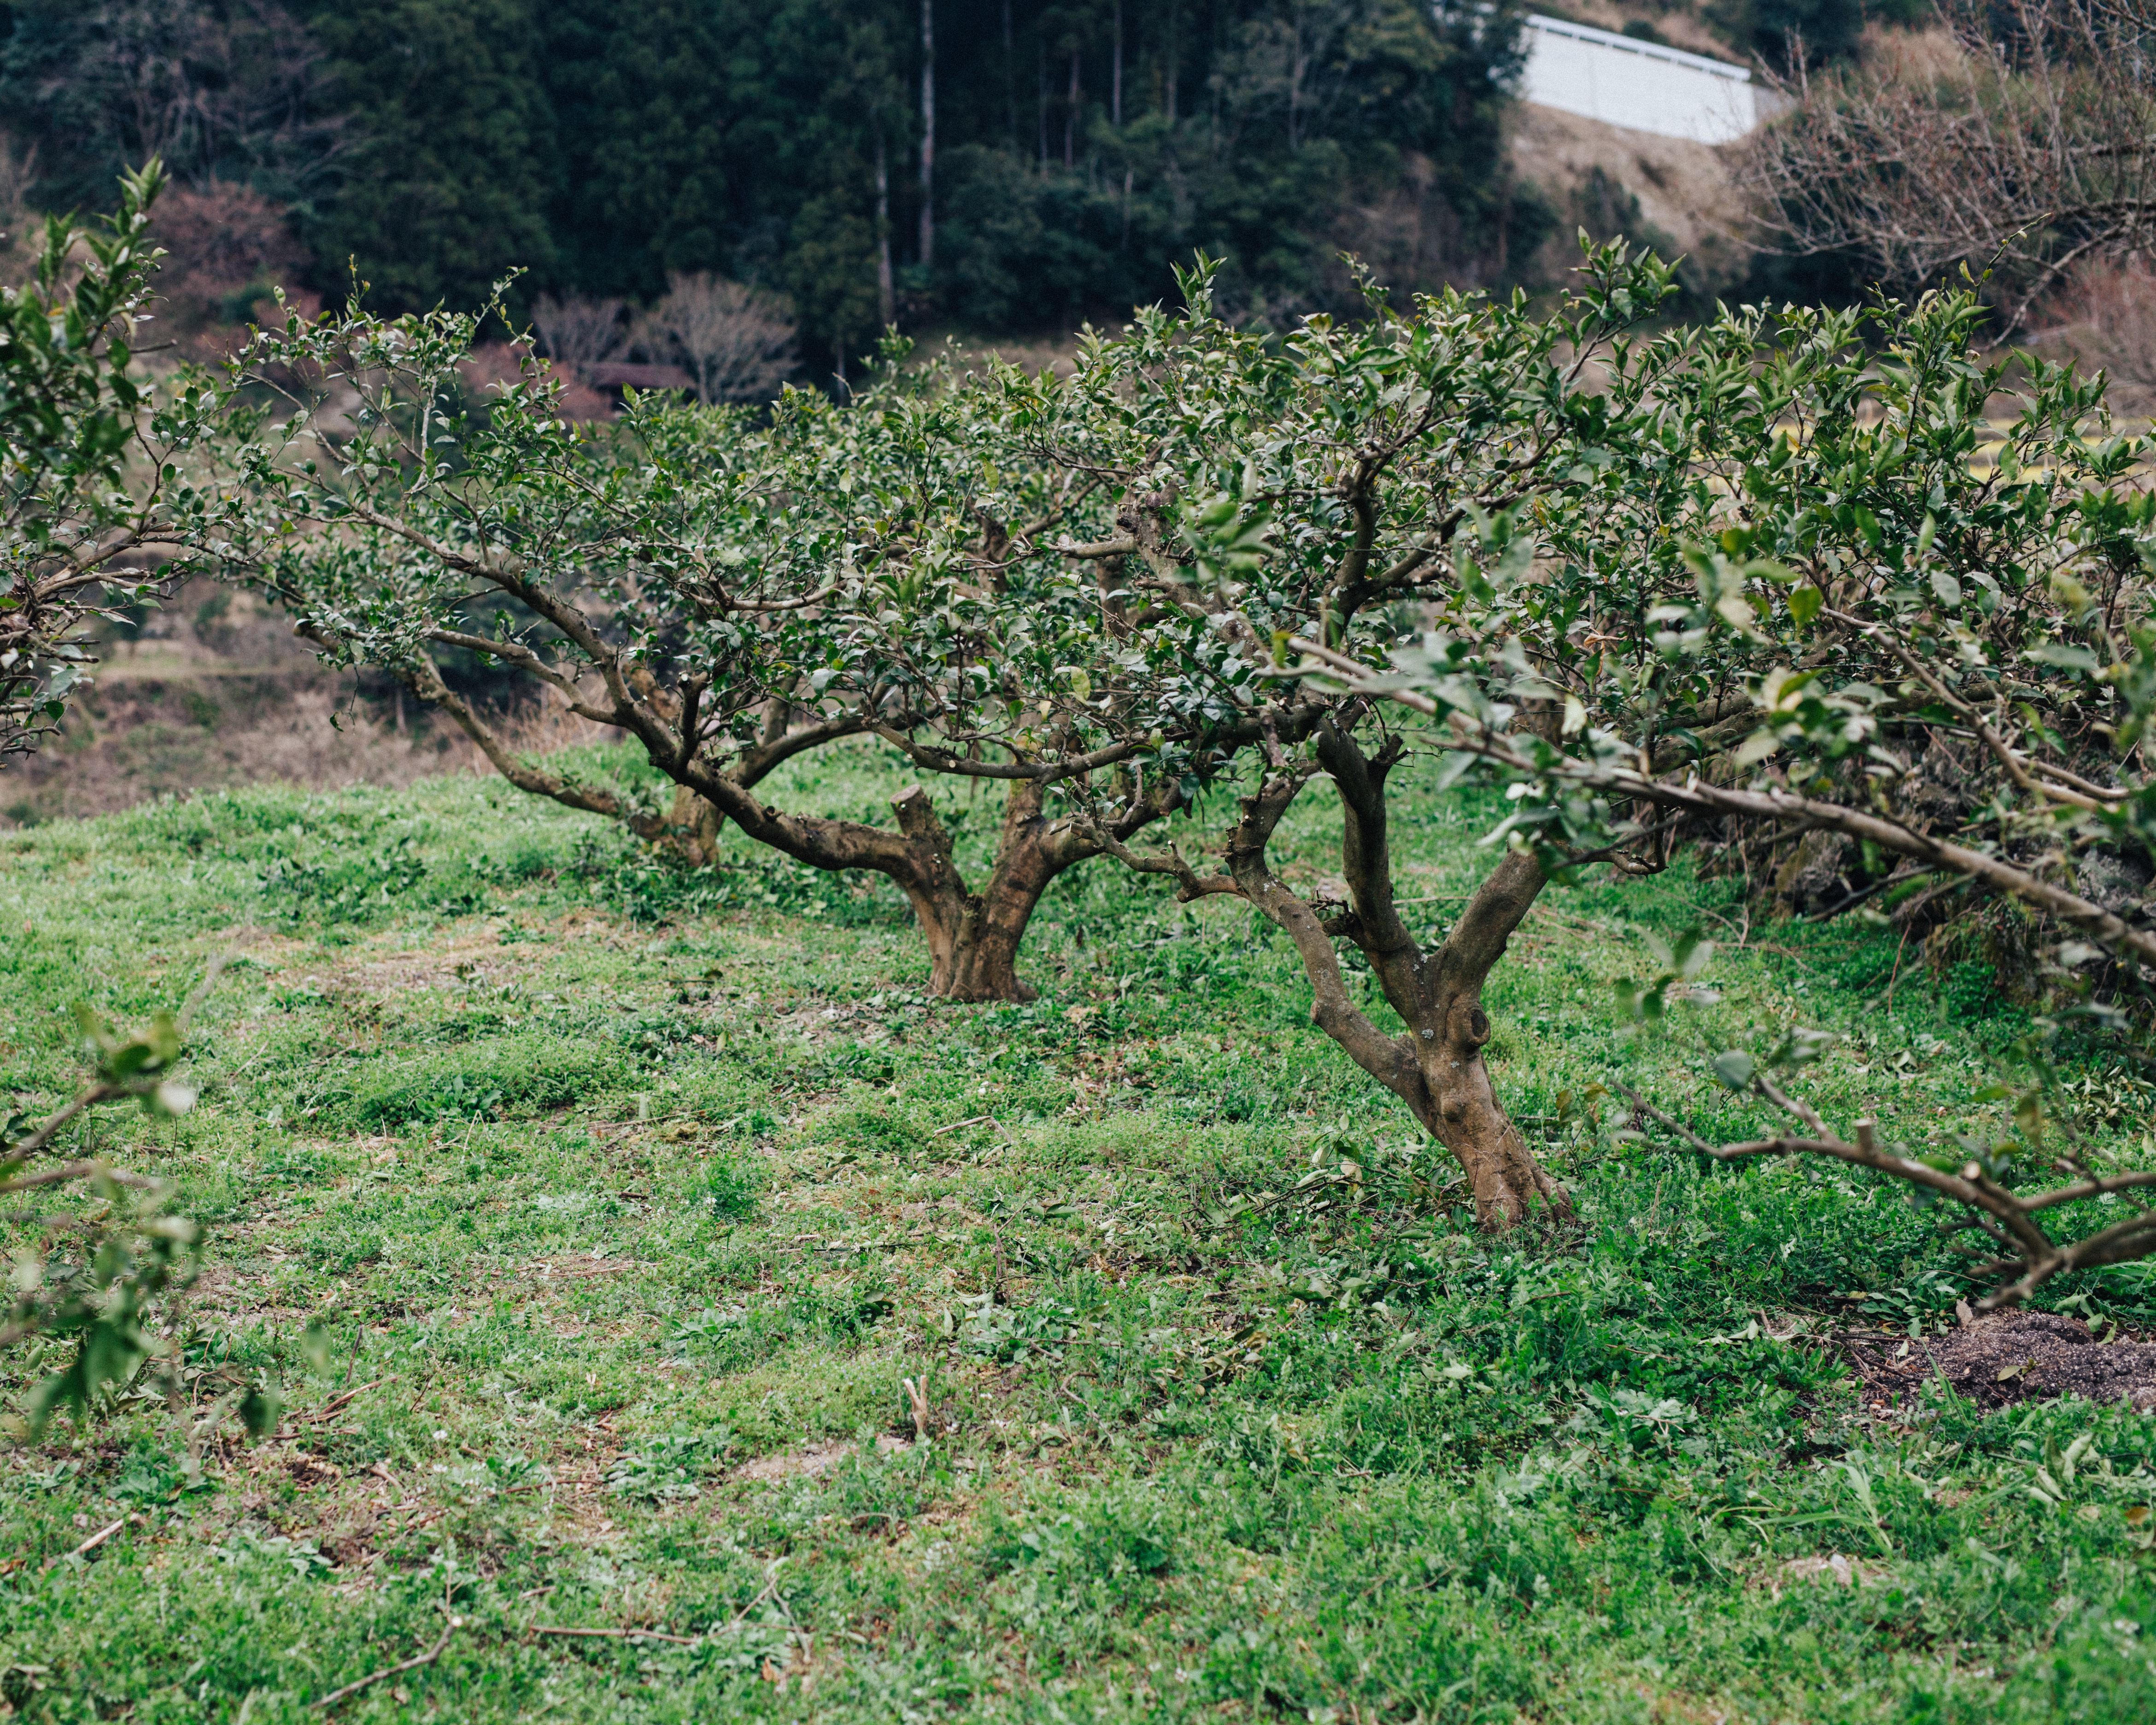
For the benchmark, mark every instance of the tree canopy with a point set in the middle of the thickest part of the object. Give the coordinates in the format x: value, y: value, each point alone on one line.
x: 93, y: 515
x: 1773, y: 586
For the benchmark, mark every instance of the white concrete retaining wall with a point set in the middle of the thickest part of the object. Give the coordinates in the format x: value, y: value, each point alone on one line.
x: 1642, y: 86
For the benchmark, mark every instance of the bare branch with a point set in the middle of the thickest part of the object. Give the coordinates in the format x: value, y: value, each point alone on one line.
x: 2021, y: 146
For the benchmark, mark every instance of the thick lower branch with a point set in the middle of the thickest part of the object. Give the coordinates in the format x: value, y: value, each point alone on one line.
x: 1386, y: 1059
x: 425, y: 682
x: 1366, y: 865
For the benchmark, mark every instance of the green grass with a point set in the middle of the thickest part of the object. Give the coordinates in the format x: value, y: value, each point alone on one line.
x: 633, y: 1197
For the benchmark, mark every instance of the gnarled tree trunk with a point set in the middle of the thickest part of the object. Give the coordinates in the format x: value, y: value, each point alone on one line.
x: 1457, y: 1103
x: 1437, y: 1068
x: 693, y: 826
x: 972, y: 937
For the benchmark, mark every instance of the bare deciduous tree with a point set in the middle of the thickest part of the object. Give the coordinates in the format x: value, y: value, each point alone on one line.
x: 2106, y: 317
x: 579, y: 334
x: 2022, y: 140
x: 225, y: 244
x: 736, y: 343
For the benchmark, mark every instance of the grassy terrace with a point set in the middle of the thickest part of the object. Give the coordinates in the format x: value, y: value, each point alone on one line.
x: 628, y: 1202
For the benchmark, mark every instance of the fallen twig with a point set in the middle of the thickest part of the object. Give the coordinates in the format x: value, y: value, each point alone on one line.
x: 762, y: 1594
x: 917, y: 1400
x: 956, y: 1125
x: 89, y: 1544
x: 327, y: 1408
x: 429, y: 1657
x: 615, y: 1635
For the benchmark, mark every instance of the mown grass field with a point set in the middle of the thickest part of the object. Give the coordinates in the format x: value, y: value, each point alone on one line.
x: 626, y: 1203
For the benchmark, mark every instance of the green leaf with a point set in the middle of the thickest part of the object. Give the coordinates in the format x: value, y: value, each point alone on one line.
x: 164, y: 1038
x: 1693, y: 951
x: 1756, y: 748
x: 1514, y: 563
x: 1805, y: 602
x: 1800, y: 1047
x: 170, y: 1099
x: 1947, y: 588
x: 1778, y: 689
x: 260, y: 1409
x: 1734, y: 1068
x: 1470, y: 577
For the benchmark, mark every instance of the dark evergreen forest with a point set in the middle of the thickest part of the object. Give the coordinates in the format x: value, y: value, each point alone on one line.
x: 996, y: 164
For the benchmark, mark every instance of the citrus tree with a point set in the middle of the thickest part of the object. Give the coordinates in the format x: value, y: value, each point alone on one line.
x: 1629, y: 575
x: 99, y: 1282
x: 727, y: 588
x: 1770, y: 583
x: 1247, y: 492
x: 1816, y: 591
x: 94, y: 516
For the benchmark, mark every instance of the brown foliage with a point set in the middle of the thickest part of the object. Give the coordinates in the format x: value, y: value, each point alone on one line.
x: 498, y: 365
x: 2022, y: 142
x: 226, y: 246
x: 2105, y: 317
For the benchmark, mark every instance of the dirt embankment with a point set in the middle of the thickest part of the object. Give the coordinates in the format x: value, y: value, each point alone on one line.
x: 212, y: 690
x: 1677, y: 197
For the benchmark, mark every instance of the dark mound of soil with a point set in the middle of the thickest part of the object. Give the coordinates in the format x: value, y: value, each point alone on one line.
x: 2018, y: 1356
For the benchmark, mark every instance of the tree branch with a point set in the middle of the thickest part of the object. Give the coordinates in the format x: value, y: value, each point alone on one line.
x: 1391, y: 1062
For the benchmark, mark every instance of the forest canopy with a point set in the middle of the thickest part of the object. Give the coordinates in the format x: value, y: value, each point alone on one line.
x: 1059, y: 161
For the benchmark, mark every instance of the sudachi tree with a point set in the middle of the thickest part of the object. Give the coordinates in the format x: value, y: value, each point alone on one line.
x: 94, y: 516
x: 1774, y: 581
x: 96, y: 519
x: 729, y: 589
x: 1820, y: 594
x: 1627, y: 573
x: 1246, y: 493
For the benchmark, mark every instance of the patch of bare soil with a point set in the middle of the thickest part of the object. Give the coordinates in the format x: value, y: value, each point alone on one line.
x: 1843, y: 1572
x: 579, y: 1266
x: 812, y: 1459
x: 2015, y: 1357
x: 214, y: 689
